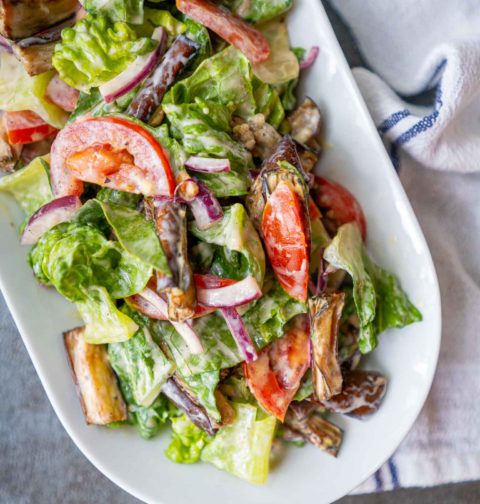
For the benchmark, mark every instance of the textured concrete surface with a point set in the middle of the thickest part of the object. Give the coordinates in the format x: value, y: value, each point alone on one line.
x: 39, y: 464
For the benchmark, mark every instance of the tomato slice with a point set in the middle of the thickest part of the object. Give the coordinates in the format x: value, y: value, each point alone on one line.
x: 234, y: 30
x: 275, y: 376
x: 61, y: 94
x: 25, y: 127
x: 340, y: 204
x: 112, y: 152
x: 285, y: 238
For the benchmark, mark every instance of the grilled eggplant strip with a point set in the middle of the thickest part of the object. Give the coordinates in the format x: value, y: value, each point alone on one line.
x: 176, y: 59
x: 325, y: 313
x: 361, y: 395
x: 170, y: 219
x: 24, y: 18
x: 100, y: 397
x: 317, y: 431
x: 36, y: 52
x: 179, y: 394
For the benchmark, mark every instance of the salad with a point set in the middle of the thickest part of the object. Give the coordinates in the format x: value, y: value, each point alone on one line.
x: 166, y: 172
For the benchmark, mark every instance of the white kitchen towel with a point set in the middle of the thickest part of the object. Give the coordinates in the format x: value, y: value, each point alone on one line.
x: 411, y: 46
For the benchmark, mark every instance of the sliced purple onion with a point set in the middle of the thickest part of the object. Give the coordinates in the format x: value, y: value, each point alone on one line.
x: 139, y: 303
x: 5, y: 44
x: 49, y: 215
x: 310, y: 58
x: 185, y: 329
x: 236, y: 294
x: 208, y: 165
x: 240, y: 333
x: 205, y: 207
x: 138, y: 70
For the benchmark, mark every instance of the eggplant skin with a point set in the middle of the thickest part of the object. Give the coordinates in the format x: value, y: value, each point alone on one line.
x: 100, y: 397
x: 23, y: 18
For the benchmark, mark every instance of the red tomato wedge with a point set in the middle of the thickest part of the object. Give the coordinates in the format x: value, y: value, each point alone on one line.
x: 275, y: 376
x: 112, y: 152
x: 234, y: 30
x: 61, y: 94
x: 340, y: 204
x: 25, y: 127
x: 313, y: 209
x: 285, y: 239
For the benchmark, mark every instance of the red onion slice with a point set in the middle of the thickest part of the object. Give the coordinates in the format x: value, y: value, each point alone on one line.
x: 139, y: 303
x: 49, y: 215
x: 310, y: 58
x: 236, y: 294
x: 137, y: 71
x: 5, y: 45
x: 205, y: 207
x: 185, y: 329
x: 240, y: 333
x: 208, y: 165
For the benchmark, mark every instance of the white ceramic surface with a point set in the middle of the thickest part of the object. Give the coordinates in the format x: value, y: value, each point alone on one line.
x: 356, y: 158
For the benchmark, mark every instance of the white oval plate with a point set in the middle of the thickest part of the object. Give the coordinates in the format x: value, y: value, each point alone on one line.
x: 408, y: 357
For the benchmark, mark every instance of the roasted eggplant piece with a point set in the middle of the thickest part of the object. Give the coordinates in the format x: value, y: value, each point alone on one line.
x: 170, y: 218
x: 317, y: 431
x: 325, y: 313
x: 24, y: 18
x: 361, y: 395
x: 176, y: 59
x: 177, y: 391
x: 100, y: 397
x: 36, y: 52
x: 259, y: 137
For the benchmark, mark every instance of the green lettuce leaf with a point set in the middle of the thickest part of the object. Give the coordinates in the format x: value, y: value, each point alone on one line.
x: 136, y: 235
x: 117, y: 10
x: 203, y: 387
x: 266, y: 319
x: 243, y: 448
x: 380, y: 302
x: 220, y: 349
x: 20, y: 91
x: 149, y: 420
x: 30, y: 186
x: 126, y: 199
x: 104, y: 323
x: 95, y: 50
x: 268, y: 102
x: 140, y: 364
x: 187, y: 441
x: 235, y: 233
x: 257, y: 11
x: 306, y: 388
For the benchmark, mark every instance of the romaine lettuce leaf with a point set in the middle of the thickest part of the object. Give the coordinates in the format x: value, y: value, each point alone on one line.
x: 30, y: 186
x: 378, y: 297
x: 266, y: 319
x: 257, y: 11
x: 243, y: 448
x: 140, y: 363
x: 268, y: 102
x: 149, y: 420
x: 187, y: 442
x: 95, y: 50
x: 117, y: 10
x: 20, y: 91
x: 104, y: 322
x: 126, y: 199
x: 235, y: 233
x: 203, y: 386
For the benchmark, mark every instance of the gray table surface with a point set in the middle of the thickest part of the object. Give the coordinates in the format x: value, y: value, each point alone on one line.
x: 39, y: 464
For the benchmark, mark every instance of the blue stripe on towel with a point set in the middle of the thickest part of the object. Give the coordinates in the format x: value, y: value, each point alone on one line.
x: 378, y: 481
x: 394, y: 156
x: 394, y: 473
x: 436, y: 73
x: 392, y: 120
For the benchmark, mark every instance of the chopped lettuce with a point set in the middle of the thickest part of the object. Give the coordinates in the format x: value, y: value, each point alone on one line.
x: 235, y: 233
x: 268, y: 102
x: 117, y: 10
x: 187, y: 442
x: 199, y: 34
x: 156, y: 17
x: 126, y: 199
x: 30, y: 186
x: 95, y: 50
x: 203, y: 386
x: 20, y: 91
x: 257, y: 11
x: 104, y: 322
x: 266, y: 319
x: 243, y: 448
x: 136, y: 235
x: 141, y: 364
x: 378, y: 297
x: 306, y: 388
x: 149, y: 420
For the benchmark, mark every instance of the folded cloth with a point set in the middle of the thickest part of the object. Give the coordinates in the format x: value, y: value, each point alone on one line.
x: 411, y: 47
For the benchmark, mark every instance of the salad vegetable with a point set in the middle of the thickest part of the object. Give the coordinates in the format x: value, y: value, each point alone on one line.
x: 165, y: 172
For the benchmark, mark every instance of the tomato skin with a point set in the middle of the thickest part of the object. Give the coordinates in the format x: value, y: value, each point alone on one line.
x: 275, y: 376
x: 26, y: 127
x: 286, y: 240
x: 234, y: 30
x: 340, y: 203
